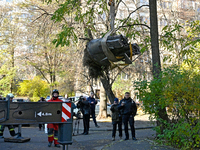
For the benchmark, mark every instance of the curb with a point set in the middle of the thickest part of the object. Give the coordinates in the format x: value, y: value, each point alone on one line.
x: 110, y: 129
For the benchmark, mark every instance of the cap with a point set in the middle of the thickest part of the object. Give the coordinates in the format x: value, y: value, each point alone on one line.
x: 116, y: 100
x: 55, y: 91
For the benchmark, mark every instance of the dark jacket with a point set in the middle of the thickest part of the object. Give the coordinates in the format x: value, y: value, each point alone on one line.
x: 116, y: 116
x: 84, y: 106
x: 129, y: 107
x: 90, y: 100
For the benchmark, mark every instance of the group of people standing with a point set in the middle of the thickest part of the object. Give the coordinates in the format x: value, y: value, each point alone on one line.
x: 123, y: 112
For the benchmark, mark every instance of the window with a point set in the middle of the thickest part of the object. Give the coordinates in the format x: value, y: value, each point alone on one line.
x: 121, y: 14
x: 169, y: 5
x: 141, y: 19
x: 144, y: 2
x: 132, y: 15
x: 149, y: 76
x: 187, y: 4
x: 144, y: 19
x: 166, y: 5
x: 102, y: 17
x: 124, y: 76
x: 198, y: 8
x: 163, y: 22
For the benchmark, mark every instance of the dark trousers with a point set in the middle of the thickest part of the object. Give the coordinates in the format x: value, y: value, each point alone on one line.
x: 86, y: 120
x: 93, y: 116
x: 10, y: 127
x: 41, y: 126
x: 115, y: 123
x: 130, y: 119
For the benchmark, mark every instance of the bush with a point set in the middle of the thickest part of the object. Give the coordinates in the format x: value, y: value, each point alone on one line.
x: 178, y: 91
x: 34, y: 88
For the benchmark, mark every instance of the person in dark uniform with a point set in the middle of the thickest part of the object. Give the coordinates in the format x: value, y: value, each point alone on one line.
x: 10, y: 127
x: 116, y: 119
x: 84, y: 105
x: 93, y: 103
x: 128, y: 110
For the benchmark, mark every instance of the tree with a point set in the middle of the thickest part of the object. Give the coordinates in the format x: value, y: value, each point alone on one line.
x: 156, y: 56
x: 34, y: 88
x: 178, y: 90
x: 186, y: 37
x: 169, y: 40
x: 49, y: 61
x: 11, y: 38
x: 85, y: 15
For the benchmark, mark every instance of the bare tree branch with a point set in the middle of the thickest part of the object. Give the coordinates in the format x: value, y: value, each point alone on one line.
x: 133, y: 25
x: 125, y: 5
x: 123, y: 69
x: 133, y: 12
x: 88, y: 39
x: 38, y: 69
x: 118, y: 5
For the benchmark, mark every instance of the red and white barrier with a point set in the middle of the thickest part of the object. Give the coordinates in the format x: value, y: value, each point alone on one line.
x: 66, y: 111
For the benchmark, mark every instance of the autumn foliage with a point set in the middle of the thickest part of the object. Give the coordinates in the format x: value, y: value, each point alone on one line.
x: 177, y: 90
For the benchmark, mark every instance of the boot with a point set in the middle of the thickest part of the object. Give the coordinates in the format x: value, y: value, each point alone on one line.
x: 86, y: 133
x: 57, y: 145
x: 50, y: 143
x: 133, y: 138
x: 126, y: 138
x: 113, y: 138
x: 97, y: 126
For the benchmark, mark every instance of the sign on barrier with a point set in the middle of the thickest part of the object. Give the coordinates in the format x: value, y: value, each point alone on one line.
x: 17, y: 113
x: 34, y: 112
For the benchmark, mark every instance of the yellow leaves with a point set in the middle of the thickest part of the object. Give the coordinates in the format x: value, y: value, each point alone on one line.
x: 34, y: 88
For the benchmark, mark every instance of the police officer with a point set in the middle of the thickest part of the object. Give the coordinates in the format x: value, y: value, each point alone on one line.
x: 116, y: 119
x: 10, y: 127
x: 93, y: 103
x: 128, y: 110
x: 84, y: 105
x: 53, y: 128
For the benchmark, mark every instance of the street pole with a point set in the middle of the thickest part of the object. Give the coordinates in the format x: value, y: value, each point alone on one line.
x: 65, y: 147
x: 112, y: 14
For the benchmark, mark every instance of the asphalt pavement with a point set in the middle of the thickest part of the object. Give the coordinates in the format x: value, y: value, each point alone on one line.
x: 97, y: 139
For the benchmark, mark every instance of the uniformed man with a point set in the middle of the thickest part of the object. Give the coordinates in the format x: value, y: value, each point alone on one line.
x: 10, y: 127
x: 53, y: 128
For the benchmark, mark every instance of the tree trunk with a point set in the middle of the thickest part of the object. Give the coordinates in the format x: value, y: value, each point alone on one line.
x: 154, y: 38
x: 108, y: 88
x: 12, y: 66
x: 103, y: 104
x: 112, y: 15
x: 156, y: 53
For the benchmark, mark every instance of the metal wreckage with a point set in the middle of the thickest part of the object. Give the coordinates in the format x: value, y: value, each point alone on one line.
x: 101, y: 54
